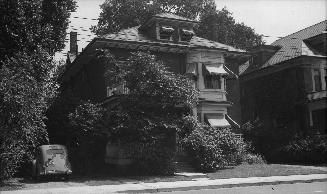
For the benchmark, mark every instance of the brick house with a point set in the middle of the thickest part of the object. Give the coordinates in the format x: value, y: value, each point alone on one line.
x: 284, y: 85
x: 171, y: 38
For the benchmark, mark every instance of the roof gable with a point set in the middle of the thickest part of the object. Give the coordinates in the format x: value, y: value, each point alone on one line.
x: 294, y: 45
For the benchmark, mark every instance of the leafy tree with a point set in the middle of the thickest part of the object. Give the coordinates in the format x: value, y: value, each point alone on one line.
x: 24, y: 96
x: 31, y: 32
x: 26, y: 25
x: 120, y: 14
x: 220, y: 26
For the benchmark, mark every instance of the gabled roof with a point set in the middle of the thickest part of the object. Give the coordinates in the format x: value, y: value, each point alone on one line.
x: 136, y: 36
x: 293, y: 45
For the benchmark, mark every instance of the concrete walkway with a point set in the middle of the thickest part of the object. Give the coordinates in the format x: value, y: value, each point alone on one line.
x: 160, y: 186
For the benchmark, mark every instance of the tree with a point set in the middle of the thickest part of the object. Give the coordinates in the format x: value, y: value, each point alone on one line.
x: 220, y: 26
x: 26, y: 25
x: 31, y: 32
x: 24, y: 96
x: 120, y: 14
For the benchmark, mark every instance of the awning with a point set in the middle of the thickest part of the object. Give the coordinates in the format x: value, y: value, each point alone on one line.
x: 191, y: 68
x: 216, y: 121
x: 187, y: 32
x: 215, y: 68
x: 167, y: 29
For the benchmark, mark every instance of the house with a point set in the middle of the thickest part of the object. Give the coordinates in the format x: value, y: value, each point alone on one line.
x: 171, y: 38
x: 284, y: 84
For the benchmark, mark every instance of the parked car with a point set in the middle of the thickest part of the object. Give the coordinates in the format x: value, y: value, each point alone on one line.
x: 51, y: 160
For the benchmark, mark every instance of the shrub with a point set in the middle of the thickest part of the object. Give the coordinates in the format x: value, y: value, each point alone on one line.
x: 89, y: 138
x: 250, y: 158
x: 213, y: 149
x: 264, y: 140
x: 304, y: 150
x: 155, y: 158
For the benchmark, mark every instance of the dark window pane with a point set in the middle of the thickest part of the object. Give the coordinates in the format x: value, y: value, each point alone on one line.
x: 317, y: 80
x: 319, y: 120
x: 212, y: 81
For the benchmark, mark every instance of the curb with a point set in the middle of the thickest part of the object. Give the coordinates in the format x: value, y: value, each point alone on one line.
x: 220, y: 186
x: 176, y: 186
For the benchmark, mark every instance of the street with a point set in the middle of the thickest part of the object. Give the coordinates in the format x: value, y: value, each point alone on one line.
x: 296, y: 188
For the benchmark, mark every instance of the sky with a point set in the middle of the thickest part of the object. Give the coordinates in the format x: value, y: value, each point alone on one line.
x: 272, y: 18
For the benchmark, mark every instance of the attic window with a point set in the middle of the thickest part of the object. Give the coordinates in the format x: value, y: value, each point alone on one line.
x: 186, y: 35
x: 166, y: 33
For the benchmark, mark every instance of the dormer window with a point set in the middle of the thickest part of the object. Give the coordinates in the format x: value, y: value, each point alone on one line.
x: 185, y: 35
x: 166, y: 33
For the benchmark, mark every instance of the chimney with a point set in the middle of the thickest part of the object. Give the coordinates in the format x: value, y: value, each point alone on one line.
x: 73, y: 43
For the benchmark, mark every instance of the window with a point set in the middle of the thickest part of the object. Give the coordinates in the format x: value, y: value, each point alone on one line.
x: 319, y: 120
x: 212, y: 81
x: 317, y: 80
x: 165, y: 33
x: 212, y: 75
x: 325, y: 71
x: 185, y: 35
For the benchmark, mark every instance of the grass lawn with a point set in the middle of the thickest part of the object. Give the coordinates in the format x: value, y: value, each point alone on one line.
x: 258, y: 170
x: 264, y: 170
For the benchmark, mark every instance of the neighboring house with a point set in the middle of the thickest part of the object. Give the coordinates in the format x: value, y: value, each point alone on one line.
x: 171, y: 38
x: 284, y: 85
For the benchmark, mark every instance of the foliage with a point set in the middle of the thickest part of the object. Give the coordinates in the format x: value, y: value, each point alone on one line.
x: 264, y: 139
x: 220, y: 26
x: 156, y: 96
x: 156, y: 157
x: 120, y: 14
x: 31, y: 32
x: 284, y: 145
x: 213, y: 149
x: 27, y: 25
x: 250, y: 158
x: 304, y: 150
x: 89, y: 138
x: 26, y: 86
x: 156, y: 103
x: 186, y: 125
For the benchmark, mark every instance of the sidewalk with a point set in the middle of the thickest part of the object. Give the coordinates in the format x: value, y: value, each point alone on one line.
x: 162, y: 186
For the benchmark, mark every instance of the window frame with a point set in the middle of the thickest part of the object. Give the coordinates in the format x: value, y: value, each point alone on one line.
x: 168, y: 36
x: 317, y: 81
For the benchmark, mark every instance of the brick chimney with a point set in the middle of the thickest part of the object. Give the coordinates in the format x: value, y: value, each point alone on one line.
x: 73, y: 43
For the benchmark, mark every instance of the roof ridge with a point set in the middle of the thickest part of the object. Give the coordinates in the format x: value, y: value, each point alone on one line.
x: 299, y: 31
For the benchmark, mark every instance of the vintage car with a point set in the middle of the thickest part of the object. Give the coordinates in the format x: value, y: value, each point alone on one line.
x: 51, y: 160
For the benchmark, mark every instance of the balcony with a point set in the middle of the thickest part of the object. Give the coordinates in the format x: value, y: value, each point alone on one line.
x: 213, y: 94
x: 316, y: 95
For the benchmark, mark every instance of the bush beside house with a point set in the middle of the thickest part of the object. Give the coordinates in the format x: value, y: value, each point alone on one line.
x: 213, y: 149
x: 284, y: 145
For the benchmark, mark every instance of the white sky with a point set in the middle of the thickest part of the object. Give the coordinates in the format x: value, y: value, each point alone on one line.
x: 273, y: 18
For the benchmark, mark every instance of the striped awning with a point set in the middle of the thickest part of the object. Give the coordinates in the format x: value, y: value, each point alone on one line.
x: 216, y: 121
